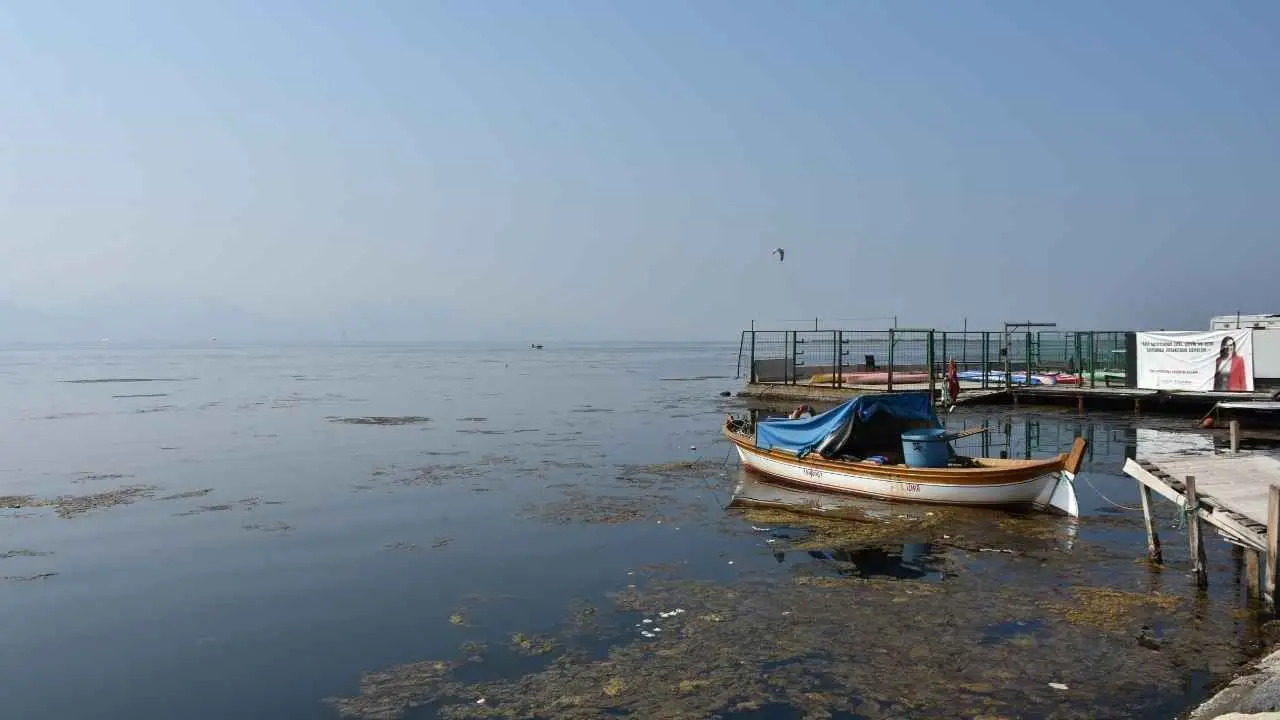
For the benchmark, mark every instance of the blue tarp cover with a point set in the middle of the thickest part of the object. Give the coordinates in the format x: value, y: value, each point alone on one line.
x: 803, y: 435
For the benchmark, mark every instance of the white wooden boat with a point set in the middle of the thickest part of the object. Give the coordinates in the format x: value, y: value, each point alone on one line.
x: 831, y: 461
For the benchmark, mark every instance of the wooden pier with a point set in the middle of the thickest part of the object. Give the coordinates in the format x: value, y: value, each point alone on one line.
x: 1083, y: 398
x: 1125, y: 398
x: 1238, y: 494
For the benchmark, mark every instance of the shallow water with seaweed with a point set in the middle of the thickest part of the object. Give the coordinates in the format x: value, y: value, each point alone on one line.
x: 468, y: 531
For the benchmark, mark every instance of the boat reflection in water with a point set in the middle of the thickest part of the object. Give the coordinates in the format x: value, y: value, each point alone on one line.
x: 898, y: 560
x: 904, y: 561
x: 917, y: 538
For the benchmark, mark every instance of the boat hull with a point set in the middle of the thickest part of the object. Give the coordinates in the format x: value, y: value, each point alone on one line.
x: 869, y: 378
x: 999, y: 377
x: 1046, y: 486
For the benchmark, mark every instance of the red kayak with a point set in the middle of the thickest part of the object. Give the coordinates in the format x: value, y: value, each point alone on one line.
x: 1066, y: 379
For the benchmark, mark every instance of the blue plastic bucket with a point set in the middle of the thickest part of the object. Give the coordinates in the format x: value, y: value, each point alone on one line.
x: 925, y: 448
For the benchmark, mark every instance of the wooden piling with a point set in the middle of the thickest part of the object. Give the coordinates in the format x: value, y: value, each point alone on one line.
x: 1251, y: 566
x: 1153, y: 539
x: 1273, y: 543
x: 1198, y: 560
x: 1237, y: 494
x: 1080, y: 404
x: 1237, y: 564
x: 1234, y: 426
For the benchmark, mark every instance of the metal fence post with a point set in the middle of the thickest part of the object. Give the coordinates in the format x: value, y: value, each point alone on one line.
x: 752, y: 372
x: 1006, y: 348
x: 986, y: 356
x: 1026, y: 376
x: 789, y: 343
x: 837, y: 360
x: 1093, y: 359
x: 742, y: 339
x: 800, y: 346
x: 929, y: 361
x: 889, y: 382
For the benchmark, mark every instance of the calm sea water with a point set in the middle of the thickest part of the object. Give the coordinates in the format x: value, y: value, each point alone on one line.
x: 471, y: 531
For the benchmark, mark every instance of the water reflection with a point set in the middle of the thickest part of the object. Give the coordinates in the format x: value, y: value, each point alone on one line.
x: 886, y: 538
x: 905, y: 561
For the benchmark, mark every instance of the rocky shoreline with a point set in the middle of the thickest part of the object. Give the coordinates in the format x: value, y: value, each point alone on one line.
x: 1253, y: 696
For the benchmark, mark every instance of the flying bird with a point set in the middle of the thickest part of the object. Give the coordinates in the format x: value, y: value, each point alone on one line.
x: 779, y: 252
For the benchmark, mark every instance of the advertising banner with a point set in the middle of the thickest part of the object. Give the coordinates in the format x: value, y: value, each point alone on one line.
x: 1220, y: 360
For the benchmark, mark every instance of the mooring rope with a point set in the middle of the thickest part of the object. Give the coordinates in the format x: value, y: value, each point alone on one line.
x: 1104, y: 497
x: 1185, y: 513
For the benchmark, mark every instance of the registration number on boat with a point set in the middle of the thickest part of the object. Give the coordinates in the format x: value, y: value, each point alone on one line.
x: 904, y: 487
x: 811, y: 472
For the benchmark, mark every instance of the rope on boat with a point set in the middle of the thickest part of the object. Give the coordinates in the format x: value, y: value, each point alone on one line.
x: 1104, y: 497
x: 713, y: 491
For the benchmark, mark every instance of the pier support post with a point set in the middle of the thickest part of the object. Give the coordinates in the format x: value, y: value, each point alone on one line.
x: 1080, y: 407
x: 1273, y: 543
x: 1237, y: 563
x: 1198, y: 560
x: 1153, y: 539
x: 1234, y: 426
x: 1251, y: 566
x: 1137, y: 406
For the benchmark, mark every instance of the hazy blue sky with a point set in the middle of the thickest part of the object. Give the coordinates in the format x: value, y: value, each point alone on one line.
x: 605, y: 169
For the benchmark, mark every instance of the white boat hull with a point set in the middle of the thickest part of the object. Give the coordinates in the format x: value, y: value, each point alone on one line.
x: 1051, y: 490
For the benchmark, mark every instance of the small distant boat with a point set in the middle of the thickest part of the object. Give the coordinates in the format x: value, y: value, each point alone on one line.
x: 535, y: 346
x: 892, y: 446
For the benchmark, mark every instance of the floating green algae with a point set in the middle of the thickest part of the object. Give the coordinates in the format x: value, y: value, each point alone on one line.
x: 1110, y: 609
x: 874, y: 648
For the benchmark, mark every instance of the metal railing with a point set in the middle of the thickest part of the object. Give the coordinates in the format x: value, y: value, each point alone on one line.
x: 916, y: 359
